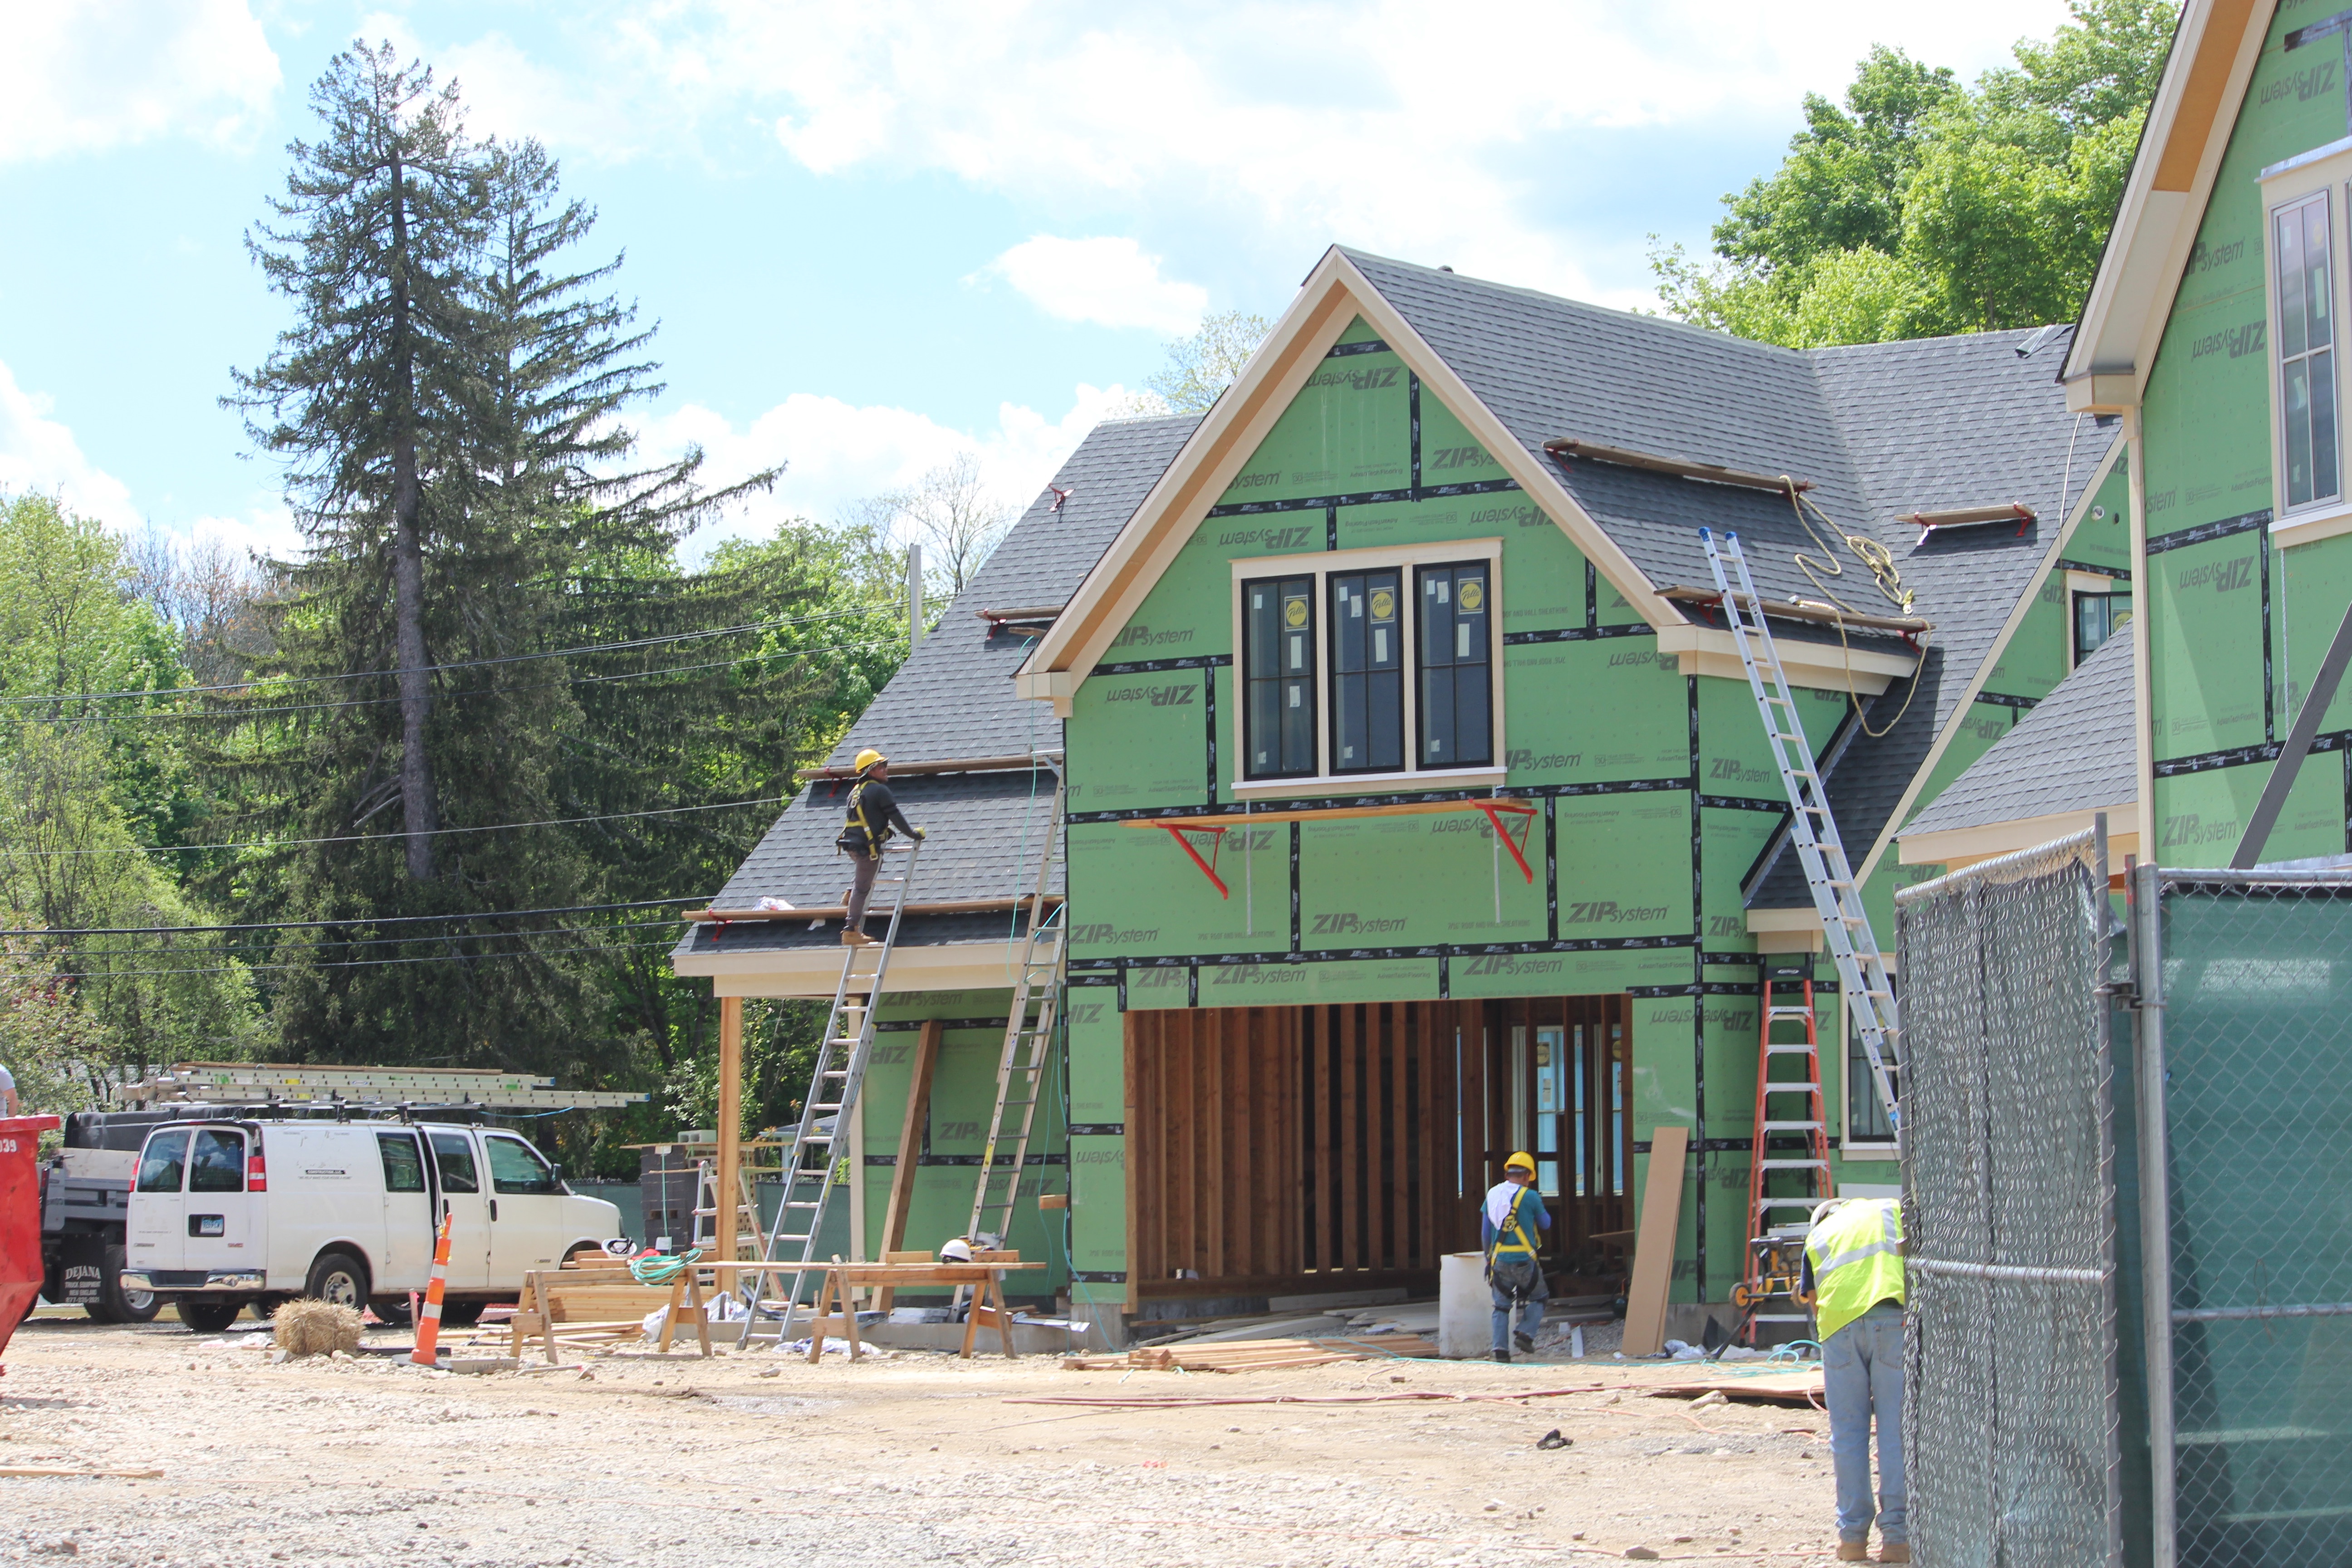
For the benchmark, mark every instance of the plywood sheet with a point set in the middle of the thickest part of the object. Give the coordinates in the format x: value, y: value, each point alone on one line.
x: 1653, y: 1252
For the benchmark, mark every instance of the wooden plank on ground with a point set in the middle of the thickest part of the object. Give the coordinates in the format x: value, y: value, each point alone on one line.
x: 910, y: 1146
x: 1654, y: 1253
x: 1789, y: 1388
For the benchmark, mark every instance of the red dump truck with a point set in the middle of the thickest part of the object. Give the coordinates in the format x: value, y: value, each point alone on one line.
x: 20, y: 1217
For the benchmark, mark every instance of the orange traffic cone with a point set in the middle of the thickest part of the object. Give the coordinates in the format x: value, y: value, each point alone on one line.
x: 428, y: 1322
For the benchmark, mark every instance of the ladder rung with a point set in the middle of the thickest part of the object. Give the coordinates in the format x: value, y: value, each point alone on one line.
x: 1792, y: 1165
x: 1791, y: 1126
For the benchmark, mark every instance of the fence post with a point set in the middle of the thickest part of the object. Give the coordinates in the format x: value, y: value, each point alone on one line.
x: 2155, y: 1203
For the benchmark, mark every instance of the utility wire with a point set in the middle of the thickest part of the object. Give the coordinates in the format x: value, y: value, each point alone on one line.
x: 172, y: 947
x: 468, y: 663
x: 359, y: 963
x: 347, y: 920
x: 393, y: 838
x: 794, y: 657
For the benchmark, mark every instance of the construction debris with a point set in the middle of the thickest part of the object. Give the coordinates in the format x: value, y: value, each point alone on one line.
x: 1255, y: 1355
x: 1784, y: 1388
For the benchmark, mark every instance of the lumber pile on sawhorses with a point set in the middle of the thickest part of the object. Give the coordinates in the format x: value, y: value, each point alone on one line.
x: 597, y: 1309
x: 1254, y: 1355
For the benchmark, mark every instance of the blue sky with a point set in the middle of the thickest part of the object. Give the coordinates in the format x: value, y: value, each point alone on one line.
x: 876, y: 235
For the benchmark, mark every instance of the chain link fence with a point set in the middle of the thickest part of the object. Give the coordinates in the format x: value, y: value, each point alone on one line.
x: 2011, y: 1418
x: 2251, y: 1057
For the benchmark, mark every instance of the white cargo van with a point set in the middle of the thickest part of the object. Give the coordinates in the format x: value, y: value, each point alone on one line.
x: 230, y: 1212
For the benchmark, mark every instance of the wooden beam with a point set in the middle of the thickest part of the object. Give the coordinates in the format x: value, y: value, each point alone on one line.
x: 910, y: 1145
x: 731, y: 1124
x: 1335, y: 813
x: 1654, y: 1253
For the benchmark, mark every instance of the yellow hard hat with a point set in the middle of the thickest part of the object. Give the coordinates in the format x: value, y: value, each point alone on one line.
x: 1520, y: 1162
x: 869, y: 757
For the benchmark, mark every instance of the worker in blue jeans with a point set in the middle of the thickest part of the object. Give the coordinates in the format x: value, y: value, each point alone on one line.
x: 1853, y: 1275
x: 1512, y: 1220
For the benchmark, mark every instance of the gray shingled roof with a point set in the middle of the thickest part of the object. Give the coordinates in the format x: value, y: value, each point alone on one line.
x: 954, y: 699
x: 2073, y: 753
x: 1881, y: 429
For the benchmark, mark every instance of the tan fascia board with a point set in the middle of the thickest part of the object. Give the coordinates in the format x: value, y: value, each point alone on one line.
x: 2195, y: 108
x: 815, y: 972
x: 1705, y: 650
x: 1335, y: 293
x: 2017, y: 614
x: 1785, y: 930
x: 1961, y: 846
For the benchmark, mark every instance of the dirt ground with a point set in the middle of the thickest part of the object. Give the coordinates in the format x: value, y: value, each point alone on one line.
x: 912, y: 1457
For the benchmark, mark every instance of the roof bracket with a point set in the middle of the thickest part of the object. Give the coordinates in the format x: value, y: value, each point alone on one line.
x: 1177, y: 830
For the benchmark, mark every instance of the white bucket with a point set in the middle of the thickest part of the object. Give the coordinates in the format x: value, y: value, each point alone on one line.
x: 1466, y: 1307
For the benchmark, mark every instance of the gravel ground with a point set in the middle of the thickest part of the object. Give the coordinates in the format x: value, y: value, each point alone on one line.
x: 906, y: 1457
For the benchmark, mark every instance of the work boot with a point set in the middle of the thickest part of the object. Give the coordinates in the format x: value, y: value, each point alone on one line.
x: 856, y: 939
x: 1854, y: 1550
x: 1503, y: 1357
x: 1527, y: 1343
x: 1895, y: 1552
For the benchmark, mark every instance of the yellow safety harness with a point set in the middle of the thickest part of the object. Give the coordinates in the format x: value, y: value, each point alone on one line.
x: 876, y: 832
x: 1511, y: 1224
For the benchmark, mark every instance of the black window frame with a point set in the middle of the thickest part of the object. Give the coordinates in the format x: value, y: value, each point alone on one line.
x: 1272, y: 680
x: 1391, y: 675
x: 2074, y: 620
x: 385, y: 1143
x: 1426, y: 669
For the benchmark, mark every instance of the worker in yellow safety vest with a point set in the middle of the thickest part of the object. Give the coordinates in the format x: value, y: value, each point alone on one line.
x: 1512, y: 1219
x: 873, y: 811
x: 1854, y: 1276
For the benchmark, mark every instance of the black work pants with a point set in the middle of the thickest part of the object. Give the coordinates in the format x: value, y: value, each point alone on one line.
x: 867, y: 865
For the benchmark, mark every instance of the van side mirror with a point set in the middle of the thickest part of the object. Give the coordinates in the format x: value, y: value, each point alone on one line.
x: 555, y: 1170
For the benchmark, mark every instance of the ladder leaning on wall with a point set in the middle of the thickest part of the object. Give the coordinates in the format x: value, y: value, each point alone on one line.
x: 842, y: 1058
x: 1837, y: 897
x: 1021, y: 1068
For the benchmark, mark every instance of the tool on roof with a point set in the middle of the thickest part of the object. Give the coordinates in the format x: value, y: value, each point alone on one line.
x: 1028, y: 1044
x: 843, y: 1055
x: 1837, y: 897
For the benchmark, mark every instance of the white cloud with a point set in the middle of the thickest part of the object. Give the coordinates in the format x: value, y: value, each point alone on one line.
x: 1437, y: 132
x: 82, y: 75
x: 1110, y: 281
x: 39, y: 453
x: 836, y: 453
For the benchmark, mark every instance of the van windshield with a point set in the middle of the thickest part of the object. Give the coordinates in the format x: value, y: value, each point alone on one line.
x: 455, y: 1157
x: 161, y: 1162
x: 219, y: 1163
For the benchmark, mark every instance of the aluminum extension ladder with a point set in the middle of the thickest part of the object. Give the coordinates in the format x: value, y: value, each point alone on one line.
x: 1862, y: 971
x: 1020, y: 1068
x: 841, y: 1062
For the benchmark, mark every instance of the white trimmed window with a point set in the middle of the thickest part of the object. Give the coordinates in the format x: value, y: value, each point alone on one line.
x: 2303, y: 247
x: 1370, y: 666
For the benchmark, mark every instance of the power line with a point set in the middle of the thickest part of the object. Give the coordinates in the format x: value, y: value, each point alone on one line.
x: 347, y: 920
x: 357, y: 963
x: 394, y: 838
x: 795, y: 656
x: 171, y: 947
x: 468, y: 663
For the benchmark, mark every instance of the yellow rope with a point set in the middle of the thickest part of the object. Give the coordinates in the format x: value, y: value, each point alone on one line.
x: 1884, y: 575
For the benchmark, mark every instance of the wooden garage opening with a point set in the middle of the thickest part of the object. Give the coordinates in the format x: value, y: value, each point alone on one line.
x: 1300, y: 1150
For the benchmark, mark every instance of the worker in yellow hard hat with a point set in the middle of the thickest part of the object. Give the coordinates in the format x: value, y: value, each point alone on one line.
x: 873, y: 811
x: 1513, y: 1221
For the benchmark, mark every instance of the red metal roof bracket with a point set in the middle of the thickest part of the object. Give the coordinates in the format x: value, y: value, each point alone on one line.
x: 1494, y: 810
x: 1208, y: 867
x: 718, y: 931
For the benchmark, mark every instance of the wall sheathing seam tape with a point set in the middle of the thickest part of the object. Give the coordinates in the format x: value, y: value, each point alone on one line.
x: 1698, y: 976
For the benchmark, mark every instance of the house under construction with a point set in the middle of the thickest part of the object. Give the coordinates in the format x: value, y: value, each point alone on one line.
x: 1414, y: 802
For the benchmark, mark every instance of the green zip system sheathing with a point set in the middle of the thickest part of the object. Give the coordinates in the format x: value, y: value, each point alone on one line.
x: 2236, y: 621
x: 1654, y: 793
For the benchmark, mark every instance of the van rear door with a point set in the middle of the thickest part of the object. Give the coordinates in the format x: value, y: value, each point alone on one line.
x: 155, y: 1237
x: 222, y: 1230
x: 407, y: 1215
x: 468, y: 1206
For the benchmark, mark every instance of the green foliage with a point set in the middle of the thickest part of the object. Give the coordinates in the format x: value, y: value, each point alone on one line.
x: 1201, y: 366
x: 1922, y: 208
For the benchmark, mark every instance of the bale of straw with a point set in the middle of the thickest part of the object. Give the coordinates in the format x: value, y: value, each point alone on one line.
x: 313, y: 1328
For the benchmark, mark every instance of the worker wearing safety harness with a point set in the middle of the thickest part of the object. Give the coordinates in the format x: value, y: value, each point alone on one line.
x: 873, y: 811
x: 1853, y: 1273
x: 1513, y: 1218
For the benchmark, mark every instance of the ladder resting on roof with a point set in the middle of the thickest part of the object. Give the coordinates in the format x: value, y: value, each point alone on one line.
x: 1861, y: 970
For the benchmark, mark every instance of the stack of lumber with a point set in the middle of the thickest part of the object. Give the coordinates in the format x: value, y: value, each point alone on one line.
x: 1255, y: 1355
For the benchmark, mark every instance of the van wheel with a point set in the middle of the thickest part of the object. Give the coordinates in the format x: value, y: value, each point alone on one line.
x: 114, y: 1304
x: 462, y: 1314
x: 392, y: 1311
x: 208, y: 1314
x: 339, y: 1279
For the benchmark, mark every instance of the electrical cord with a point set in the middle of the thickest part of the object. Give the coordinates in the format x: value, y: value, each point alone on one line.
x: 1885, y: 575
